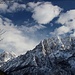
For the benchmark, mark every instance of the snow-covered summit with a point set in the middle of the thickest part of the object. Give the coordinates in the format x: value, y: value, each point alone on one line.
x: 5, y: 56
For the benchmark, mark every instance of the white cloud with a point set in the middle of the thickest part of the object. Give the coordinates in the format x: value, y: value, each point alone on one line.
x: 43, y: 12
x: 32, y: 29
x: 3, y: 7
x: 32, y: 5
x: 67, y: 20
x: 14, y: 39
x: 61, y: 30
x: 16, y: 7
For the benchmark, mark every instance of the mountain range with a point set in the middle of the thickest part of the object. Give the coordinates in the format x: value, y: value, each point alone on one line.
x: 53, y: 56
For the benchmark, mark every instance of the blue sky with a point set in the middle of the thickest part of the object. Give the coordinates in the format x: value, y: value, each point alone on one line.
x: 27, y: 22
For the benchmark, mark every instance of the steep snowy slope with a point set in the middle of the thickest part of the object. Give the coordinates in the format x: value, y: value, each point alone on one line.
x: 5, y: 56
x: 53, y: 56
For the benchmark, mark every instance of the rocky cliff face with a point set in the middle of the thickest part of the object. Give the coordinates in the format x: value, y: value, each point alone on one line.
x: 53, y: 56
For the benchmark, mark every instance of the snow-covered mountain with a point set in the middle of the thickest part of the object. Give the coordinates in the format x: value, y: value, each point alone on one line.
x: 5, y: 56
x: 53, y: 56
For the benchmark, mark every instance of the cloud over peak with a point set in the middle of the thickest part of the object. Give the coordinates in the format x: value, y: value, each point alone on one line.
x: 14, y: 39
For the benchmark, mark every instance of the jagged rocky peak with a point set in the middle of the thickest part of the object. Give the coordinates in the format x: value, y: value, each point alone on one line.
x: 56, y: 43
x: 53, y: 56
x: 5, y: 56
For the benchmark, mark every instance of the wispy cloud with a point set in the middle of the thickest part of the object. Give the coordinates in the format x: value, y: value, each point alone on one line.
x: 43, y: 12
x: 14, y: 39
x: 14, y: 7
x: 32, y: 29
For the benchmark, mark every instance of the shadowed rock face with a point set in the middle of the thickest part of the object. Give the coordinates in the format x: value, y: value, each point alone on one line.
x: 54, y: 56
x: 2, y: 73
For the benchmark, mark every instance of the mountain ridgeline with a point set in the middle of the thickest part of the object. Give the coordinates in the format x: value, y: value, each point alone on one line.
x: 53, y: 56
